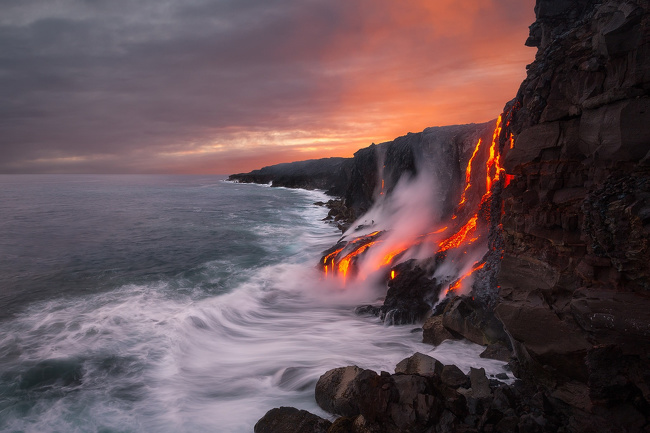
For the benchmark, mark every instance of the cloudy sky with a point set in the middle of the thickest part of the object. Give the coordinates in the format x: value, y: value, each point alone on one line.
x: 224, y: 86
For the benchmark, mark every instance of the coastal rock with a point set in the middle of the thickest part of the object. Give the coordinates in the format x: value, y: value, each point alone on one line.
x: 410, y: 295
x: 291, y: 420
x: 469, y: 319
x: 421, y: 364
x: 479, y: 382
x: 496, y: 351
x: 433, y: 332
x: 330, y: 174
x: 574, y: 279
x: 453, y: 377
x: 337, y: 391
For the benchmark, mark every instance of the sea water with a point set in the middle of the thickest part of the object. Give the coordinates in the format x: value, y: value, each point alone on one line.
x: 175, y: 304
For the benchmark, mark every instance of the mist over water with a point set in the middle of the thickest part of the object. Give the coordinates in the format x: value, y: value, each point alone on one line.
x: 175, y: 303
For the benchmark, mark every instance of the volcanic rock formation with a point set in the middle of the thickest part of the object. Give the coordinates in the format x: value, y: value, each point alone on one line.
x: 565, y: 282
x: 575, y: 277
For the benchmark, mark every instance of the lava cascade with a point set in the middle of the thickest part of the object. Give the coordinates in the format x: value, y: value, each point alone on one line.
x: 480, y: 180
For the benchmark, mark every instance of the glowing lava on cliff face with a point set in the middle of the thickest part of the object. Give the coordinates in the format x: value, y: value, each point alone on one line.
x: 355, y: 259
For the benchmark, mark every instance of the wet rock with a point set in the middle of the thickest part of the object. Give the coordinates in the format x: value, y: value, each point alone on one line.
x: 291, y: 420
x: 433, y: 332
x: 479, y: 382
x: 470, y: 320
x: 410, y: 295
x: 337, y: 392
x: 367, y: 310
x: 496, y: 351
x: 507, y: 424
x: 453, y: 377
x: 342, y: 424
x: 421, y: 364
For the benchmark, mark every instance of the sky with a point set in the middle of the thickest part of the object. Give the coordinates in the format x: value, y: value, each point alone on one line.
x: 228, y: 86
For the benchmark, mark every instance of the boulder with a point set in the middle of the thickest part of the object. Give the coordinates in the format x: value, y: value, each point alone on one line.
x: 291, y: 420
x: 496, y: 351
x: 433, y: 332
x: 410, y: 295
x: 473, y: 322
x: 421, y: 364
x: 480, y: 383
x: 453, y: 377
x: 336, y: 391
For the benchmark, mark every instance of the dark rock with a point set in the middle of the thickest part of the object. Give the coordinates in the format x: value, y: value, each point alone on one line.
x: 421, y: 364
x: 342, y: 424
x: 416, y: 405
x: 369, y: 310
x: 496, y: 351
x: 480, y: 384
x: 329, y: 174
x: 453, y: 377
x: 529, y: 423
x: 433, y: 332
x: 507, y: 424
x: 291, y: 420
x: 470, y: 320
x: 337, y: 391
x: 410, y: 295
x: 502, y: 376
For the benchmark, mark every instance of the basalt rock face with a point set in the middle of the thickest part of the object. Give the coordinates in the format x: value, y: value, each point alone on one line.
x: 575, y: 278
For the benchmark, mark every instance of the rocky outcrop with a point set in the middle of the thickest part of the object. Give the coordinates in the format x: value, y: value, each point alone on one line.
x: 328, y: 174
x: 425, y: 396
x: 291, y: 420
x: 442, y: 152
x: 575, y: 278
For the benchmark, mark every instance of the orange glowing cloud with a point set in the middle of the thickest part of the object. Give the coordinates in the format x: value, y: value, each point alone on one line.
x: 275, y: 82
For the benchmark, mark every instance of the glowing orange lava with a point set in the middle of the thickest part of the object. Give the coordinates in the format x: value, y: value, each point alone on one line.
x: 460, y: 236
x: 468, y: 173
x: 457, y: 283
x: 343, y: 260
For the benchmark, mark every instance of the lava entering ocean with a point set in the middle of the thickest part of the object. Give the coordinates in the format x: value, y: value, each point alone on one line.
x: 462, y: 235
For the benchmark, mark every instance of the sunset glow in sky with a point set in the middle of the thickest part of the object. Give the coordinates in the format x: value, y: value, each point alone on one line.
x: 225, y: 86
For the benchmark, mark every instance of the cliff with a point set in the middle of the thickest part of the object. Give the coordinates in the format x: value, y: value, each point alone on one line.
x: 575, y: 287
x: 329, y: 174
x: 441, y: 152
x: 565, y: 284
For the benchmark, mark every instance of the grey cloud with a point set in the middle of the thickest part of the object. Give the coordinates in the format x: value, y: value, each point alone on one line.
x: 117, y: 77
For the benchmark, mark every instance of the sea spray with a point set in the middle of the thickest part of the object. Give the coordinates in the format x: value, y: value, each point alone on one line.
x: 205, y: 345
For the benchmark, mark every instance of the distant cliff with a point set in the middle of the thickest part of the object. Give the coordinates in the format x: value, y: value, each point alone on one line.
x: 328, y: 174
x: 443, y: 152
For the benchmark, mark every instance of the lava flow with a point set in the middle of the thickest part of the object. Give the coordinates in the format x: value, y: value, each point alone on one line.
x: 470, y: 227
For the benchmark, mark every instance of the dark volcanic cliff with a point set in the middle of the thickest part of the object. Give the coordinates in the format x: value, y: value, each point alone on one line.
x: 575, y: 278
x: 441, y: 152
x: 568, y: 268
x: 330, y: 174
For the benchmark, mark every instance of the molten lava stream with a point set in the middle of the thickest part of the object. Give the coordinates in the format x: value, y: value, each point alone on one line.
x: 456, y: 284
x: 461, y: 236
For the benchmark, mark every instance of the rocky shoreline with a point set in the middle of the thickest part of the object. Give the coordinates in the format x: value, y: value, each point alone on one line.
x: 564, y: 296
x: 423, y: 395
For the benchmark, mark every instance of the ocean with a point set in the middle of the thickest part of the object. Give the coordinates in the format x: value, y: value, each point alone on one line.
x: 176, y: 304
